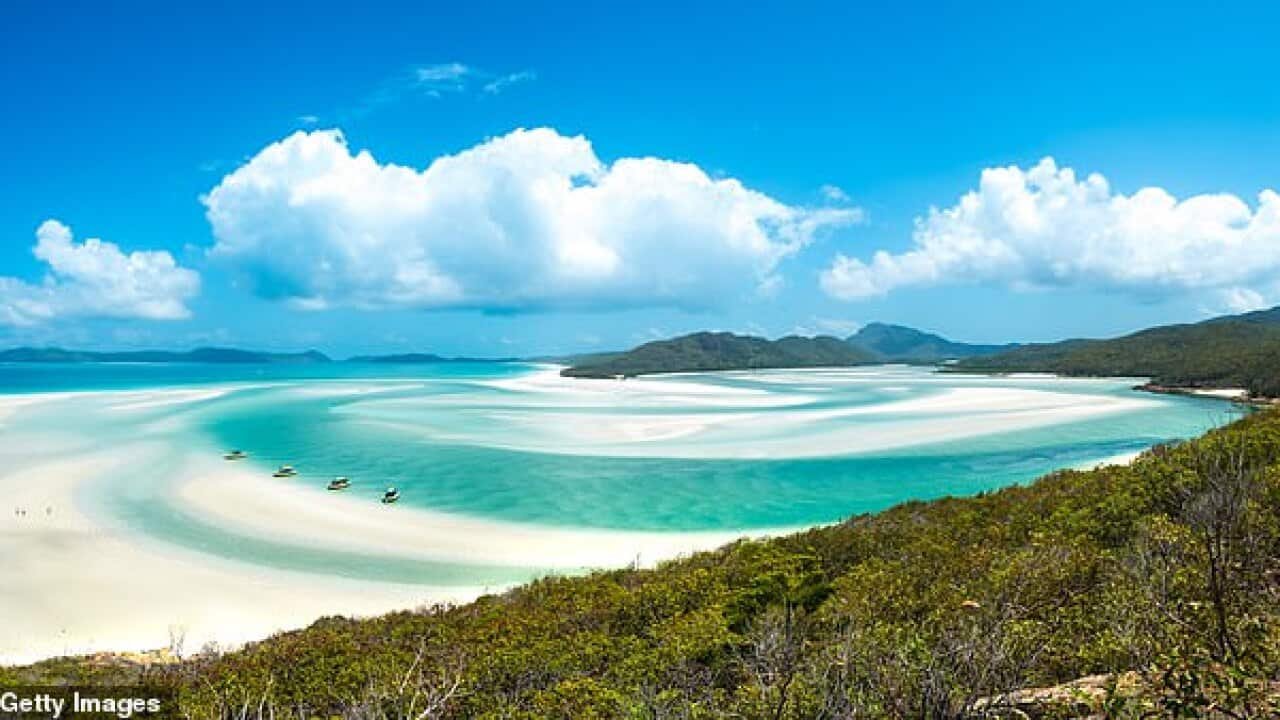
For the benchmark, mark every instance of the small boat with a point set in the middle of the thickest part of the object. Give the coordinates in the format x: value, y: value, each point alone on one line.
x: 340, y: 483
x: 285, y: 471
x: 390, y: 496
x: 235, y: 455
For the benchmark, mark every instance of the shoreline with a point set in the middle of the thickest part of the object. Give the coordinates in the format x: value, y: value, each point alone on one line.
x: 143, y: 587
x: 1238, y: 396
x: 60, y: 551
x: 248, y: 503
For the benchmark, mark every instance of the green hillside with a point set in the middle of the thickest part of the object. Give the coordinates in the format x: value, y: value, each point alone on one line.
x: 897, y: 343
x: 1157, y: 580
x: 1233, y: 351
x: 706, y: 351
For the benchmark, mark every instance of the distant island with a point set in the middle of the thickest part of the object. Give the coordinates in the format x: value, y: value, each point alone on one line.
x: 199, y: 355
x: 707, y: 351
x: 1233, y: 351
x: 901, y: 344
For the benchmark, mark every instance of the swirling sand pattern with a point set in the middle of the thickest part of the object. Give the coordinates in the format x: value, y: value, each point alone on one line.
x: 124, y: 519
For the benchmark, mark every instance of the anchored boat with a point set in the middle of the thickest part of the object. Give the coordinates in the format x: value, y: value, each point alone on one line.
x: 235, y: 455
x: 339, y: 483
x: 285, y: 471
x: 390, y: 496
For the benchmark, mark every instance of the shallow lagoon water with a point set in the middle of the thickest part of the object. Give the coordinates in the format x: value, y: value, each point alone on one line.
x: 468, y: 446
x: 515, y: 444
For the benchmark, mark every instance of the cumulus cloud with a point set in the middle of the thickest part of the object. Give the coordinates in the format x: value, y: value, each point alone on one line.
x: 96, y: 279
x: 530, y: 220
x: 1043, y: 227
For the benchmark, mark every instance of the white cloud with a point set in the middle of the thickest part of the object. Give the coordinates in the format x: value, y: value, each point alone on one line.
x: 1044, y: 228
x: 443, y: 72
x: 834, y: 193
x: 1241, y: 299
x: 529, y: 220
x: 96, y: 279
x: 498, y: 84
x: 438, y: 81
x: 839, y: 327
x: 308, y: 119
x: 456, y: 77
x: 442, y: 78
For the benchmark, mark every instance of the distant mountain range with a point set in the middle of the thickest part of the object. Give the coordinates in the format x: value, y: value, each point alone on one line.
x: 706, y: 351
x: 199, y: 355
x: 1229, y: 351
x: 875, y: 343
x: 897, y: 343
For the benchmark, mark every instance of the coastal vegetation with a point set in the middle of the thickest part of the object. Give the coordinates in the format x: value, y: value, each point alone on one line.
x: 1146, y: 590
x: 707, y: 351
x: 1240, y: 351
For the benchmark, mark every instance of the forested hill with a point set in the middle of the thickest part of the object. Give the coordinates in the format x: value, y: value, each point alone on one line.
x: 897, y: 343
x: 1231, y: 351
x: 199, y: 355
x: 707, y: 351
x: 1155, y: 581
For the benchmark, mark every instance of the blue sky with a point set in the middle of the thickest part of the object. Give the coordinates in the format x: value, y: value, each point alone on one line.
x: 817, y: 135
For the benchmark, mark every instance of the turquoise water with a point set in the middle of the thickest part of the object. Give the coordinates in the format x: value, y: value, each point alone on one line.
x: 50, y: 377
x: 698, y: 452
x: 391, y: 438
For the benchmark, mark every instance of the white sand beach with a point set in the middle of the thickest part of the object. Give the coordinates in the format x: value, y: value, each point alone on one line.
x: 1222, y: 393
x: 80, y: 578
x: 75, y: 584
x: 239, y: 499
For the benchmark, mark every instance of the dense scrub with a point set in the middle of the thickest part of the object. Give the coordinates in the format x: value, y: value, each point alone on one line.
x: 1237, y: 351
x: 1164, y: 575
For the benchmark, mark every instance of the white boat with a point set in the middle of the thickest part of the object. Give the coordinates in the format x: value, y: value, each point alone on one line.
x: 390, y: 496
x: 340, y: 483
x: 235, y: 455
x: 285, y: 471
